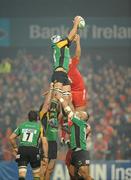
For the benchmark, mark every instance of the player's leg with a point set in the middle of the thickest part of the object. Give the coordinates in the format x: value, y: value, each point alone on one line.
x: 82, y: 164
x: 71, y: 168
x: 79, y: 100
x: 52, y: 155
x: 50, y: 169
x: 22, y: 161
x: 43, y: 167
x: 34, y: 159
x: 36, y: 173
x: 22, y: 172
x: 84, y: 172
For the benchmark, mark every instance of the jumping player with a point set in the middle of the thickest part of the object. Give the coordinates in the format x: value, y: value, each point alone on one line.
x: 78, y: 89
x: 61, y: 57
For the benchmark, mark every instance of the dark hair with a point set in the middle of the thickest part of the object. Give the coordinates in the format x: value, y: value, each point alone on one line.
x: 33, y: 115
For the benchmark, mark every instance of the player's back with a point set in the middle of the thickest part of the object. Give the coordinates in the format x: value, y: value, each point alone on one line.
x: 29, y: 133
x: 78, y: 134
x: 61, y: 54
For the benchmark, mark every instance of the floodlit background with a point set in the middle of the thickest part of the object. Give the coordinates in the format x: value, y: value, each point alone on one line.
x: 25, y: 70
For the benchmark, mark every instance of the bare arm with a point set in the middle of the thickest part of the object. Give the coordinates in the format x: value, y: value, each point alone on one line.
x: 12, y: 140
x: 45, y: 146
x: 65, y: 106
x: 74, y: 29
x: 46, y: 104
x: 78, y: 46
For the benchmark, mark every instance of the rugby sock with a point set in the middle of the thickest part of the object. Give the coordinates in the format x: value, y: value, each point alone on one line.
x: 36, y: 178
x: 21, y: 178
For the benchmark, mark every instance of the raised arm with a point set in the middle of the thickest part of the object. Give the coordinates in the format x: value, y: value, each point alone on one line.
x: 78, y: 46
x: 44, y: 146
x: 73, y: 32
x: 65, y: 106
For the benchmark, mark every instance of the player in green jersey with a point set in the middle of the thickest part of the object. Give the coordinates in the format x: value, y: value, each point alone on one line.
x: 29, y: 133
x: 61, y: 57
x: 50, y: 131
x: 78, y: 132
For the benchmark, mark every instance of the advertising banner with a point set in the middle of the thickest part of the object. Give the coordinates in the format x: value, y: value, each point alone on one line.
x: 4, y: 32
x: 100, y: 170
x: 99, y: 32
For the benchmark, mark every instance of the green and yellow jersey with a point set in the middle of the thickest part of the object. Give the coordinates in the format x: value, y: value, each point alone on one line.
x: 61, y: 54
x: 49, y: 132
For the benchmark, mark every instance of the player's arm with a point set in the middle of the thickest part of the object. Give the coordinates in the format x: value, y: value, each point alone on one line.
x: 12, y: 140
x: 47, y: 101
x: 78, y: 46
x: 71, y: 35
x: 44, y: 143
x: 73, y: 32
x: 65, y: 106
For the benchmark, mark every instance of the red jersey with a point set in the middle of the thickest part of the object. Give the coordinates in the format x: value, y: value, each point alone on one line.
x: 77, y: 81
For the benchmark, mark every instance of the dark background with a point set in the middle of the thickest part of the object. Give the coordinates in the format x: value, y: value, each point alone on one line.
x: 86, y: 8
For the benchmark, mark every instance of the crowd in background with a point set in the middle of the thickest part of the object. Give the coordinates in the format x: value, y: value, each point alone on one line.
x: 109, y: 100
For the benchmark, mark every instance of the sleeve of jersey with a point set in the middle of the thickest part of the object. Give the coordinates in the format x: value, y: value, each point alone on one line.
x: 17, y: 131
x: 76, y: 121
x: 63, y: 42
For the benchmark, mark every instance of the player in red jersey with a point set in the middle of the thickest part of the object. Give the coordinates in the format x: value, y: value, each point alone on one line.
x: 78, y: 89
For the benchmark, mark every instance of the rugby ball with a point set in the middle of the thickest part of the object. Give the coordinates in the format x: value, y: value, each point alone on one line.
x: 81, y: 23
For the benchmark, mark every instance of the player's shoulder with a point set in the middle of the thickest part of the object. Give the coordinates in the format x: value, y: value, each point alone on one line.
x: 23, y: 123
x: 74, y: 61
x: 75, y: 58
x: 63, y: 42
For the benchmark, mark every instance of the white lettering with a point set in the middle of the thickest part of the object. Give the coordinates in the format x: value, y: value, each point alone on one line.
x: 107, y: 33
x: 113, y: 32
x: 122, y: 33
x: 101, y: 172
x: 120, y: 174
x: 128, y: 173
x: 34, y: 31
x: 59, y: 173
x: 113, y: 171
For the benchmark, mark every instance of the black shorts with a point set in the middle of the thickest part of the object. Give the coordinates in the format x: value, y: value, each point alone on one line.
x: 28, y: 154
x: 52, y: 150
x: 60, y: 76
x: 80, y: 158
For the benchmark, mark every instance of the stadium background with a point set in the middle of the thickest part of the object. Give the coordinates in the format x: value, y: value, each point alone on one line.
x: 25, y: 70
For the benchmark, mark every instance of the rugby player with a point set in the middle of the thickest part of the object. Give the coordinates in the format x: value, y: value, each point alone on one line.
x: 78, y: 88
x: 27, y: 151
x: 80, y: 156
x: 61, y: 57
x: 50, y: 131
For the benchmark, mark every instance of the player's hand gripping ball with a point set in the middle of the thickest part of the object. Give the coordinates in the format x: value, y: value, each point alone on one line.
x: 81, y: 23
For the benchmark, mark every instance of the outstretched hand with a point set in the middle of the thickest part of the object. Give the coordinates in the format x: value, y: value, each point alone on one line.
x: 76, y: 20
